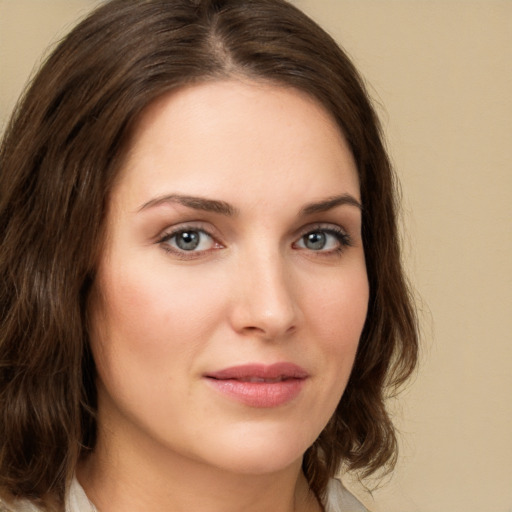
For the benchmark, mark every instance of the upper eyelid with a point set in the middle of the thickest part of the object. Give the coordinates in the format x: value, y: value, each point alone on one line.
x: 345, y: 236
x: 173, y: 233
x: 322, y: 226
x: 187, y: 226
x: 333, y: 230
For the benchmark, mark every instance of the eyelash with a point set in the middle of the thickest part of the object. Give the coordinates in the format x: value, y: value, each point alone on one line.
x: 342, y: 237
x: 164, y: 240
x: 344, y: 240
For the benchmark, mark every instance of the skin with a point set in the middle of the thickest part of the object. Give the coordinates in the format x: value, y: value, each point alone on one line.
x: 253, y: 291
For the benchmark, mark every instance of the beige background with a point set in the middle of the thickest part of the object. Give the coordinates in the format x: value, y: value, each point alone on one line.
x: 441, y: 73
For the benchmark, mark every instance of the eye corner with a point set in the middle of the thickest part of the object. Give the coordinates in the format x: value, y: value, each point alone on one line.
x: 324, y: 240
x: 196, y: 242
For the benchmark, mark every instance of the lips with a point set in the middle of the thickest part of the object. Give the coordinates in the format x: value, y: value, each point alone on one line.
x: 257, y: 385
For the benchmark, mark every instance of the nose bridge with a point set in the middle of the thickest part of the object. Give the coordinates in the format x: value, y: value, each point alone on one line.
x: 265, y: 302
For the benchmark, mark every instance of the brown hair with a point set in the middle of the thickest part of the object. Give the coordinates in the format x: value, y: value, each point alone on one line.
x: 59, y: 157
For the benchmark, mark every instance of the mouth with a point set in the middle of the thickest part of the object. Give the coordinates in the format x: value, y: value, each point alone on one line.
x: 260, y: 373
x: 260, y: 386
x: 260, y: 379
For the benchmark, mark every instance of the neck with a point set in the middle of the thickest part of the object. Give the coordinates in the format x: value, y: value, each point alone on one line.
x: 150, y: 479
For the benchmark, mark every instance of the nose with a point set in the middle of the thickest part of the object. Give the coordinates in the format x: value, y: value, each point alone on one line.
x: 264, y: 303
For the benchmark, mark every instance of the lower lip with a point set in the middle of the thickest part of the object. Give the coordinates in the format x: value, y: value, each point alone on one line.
x: 259, y: 394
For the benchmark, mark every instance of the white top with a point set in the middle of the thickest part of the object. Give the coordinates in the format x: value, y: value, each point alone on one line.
x: 338, y: 500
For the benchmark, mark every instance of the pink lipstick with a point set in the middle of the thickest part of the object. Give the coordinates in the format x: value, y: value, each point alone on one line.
x: 258, y: 385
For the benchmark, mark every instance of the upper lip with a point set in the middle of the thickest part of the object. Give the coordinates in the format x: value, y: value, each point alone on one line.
x: 260, y: 372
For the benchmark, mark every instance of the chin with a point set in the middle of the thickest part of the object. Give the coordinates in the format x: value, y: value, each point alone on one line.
x: 262, y: 463
x: 263, y: 452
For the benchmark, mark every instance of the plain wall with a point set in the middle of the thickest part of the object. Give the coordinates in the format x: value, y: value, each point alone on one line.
x: 441, y: 74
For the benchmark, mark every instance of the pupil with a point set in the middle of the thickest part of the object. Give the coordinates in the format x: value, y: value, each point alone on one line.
x: 315, y: 241
x: 188, y: 240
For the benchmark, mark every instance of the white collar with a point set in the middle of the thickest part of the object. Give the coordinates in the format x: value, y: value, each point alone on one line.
x: 338, y: 499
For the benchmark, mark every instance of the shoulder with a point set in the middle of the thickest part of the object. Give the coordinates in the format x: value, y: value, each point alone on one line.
x: 339, y: 499
x: 18, y: 506
x: 76, y: 501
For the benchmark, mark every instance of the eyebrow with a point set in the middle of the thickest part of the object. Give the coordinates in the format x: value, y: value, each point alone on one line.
x: 329, y: 204
x: 224, y: 208
x: 197, y: 203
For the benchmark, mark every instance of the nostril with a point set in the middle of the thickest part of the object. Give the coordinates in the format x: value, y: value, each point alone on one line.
x: 269, y: 333
x: 251, y: 328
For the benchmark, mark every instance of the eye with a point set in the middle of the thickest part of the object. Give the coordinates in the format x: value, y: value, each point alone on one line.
x: 188, y: 240
x: 326, y: 240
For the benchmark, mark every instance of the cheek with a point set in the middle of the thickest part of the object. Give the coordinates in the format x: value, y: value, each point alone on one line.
x: 147, y: 329
x: 146, y: 315
x: 338, y: 309
x: 337, y: 315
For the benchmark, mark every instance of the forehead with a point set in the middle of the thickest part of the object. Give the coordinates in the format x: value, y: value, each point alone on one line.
x: 224, y: 136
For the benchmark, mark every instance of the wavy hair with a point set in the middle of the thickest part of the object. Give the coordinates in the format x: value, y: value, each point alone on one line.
x: 59, y: 157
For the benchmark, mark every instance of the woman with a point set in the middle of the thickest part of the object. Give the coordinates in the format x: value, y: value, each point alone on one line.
x: 203, y: 306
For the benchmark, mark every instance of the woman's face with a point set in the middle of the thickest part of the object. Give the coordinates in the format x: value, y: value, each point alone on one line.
x: 232, y: 290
